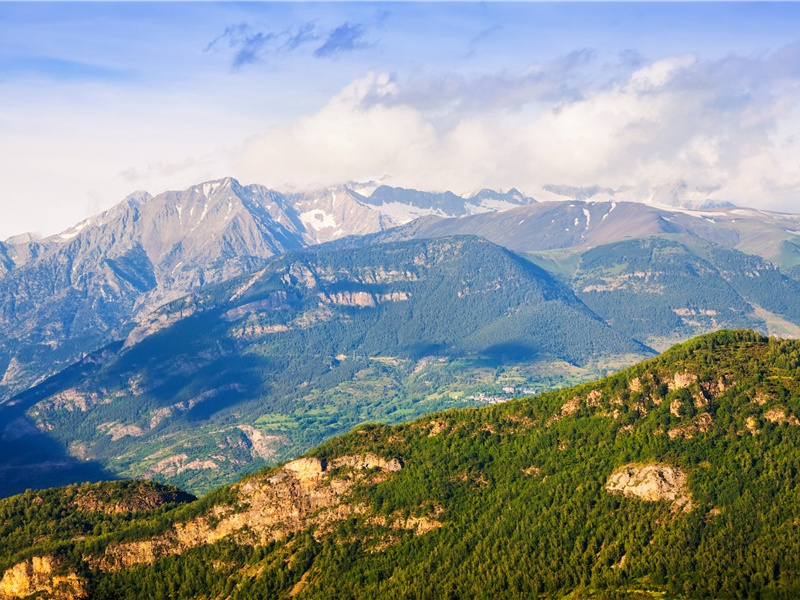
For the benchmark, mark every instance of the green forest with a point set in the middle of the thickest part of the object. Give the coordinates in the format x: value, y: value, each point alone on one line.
x: 516, y: 496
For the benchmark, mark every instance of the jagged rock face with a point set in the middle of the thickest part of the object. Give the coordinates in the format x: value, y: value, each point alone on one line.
x: 303, y: 493
x: 331, y: 214
x: 651, y: 483
x: 307, y: 493
x: 338, y: 212
x: 36, y: 575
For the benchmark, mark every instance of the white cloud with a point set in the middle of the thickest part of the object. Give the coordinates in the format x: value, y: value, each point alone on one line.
x: 659, y: 73
x: 344, y: 140
x: 679, y: 127
x: 676, y: 127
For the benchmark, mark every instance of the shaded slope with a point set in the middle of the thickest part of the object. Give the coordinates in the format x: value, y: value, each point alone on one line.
x: 29, y: 457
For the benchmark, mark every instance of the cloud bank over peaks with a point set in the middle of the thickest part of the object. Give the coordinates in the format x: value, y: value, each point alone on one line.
x: 677, y: 129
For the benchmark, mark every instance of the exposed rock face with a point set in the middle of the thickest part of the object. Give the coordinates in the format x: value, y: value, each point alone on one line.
x: 36, y: 576
x: 651, y: 483
x: 360, y: 299
x: 778, y: 415
x: 261, y: 445
x: 117, y: 431
x: 682, y: 380
x: 570, y: 407
x: 700, y: 424
x: 305, y: 492
x: 368, y: 461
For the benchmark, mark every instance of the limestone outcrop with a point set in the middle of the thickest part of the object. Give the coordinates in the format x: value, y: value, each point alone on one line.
x: 651, y: 483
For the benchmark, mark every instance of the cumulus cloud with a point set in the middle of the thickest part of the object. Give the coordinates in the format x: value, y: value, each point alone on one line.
x: 456, y: 95
x: 677, y: 129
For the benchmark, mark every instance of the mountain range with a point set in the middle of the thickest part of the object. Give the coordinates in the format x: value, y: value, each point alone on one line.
x: 198, y: 335
x: 675, y: 478
x: 69, y: 294
x: 575, y: 225
x: 269, y: 364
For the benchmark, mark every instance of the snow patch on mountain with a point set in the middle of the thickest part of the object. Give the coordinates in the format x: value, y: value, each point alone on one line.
x: 490, y: 205
x: 318, y: 219
x: 72, y: 232
x: 401, y: 213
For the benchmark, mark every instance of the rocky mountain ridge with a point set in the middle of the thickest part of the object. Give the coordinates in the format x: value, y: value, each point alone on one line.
x: 71, y: 293
x: 580, y: 225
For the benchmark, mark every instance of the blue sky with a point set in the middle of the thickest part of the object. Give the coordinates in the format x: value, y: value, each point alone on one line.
x: 656, y: 101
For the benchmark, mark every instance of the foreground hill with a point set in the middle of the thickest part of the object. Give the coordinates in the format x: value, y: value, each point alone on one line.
x: 675, y: 478
x: 266, y: 366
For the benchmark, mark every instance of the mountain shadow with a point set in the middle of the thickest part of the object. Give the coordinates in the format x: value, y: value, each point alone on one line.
x: 29, y: 457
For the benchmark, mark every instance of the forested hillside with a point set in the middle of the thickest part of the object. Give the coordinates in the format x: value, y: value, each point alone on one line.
x: 660, y: 291
x: 267, y: 365
x: 675, y: 478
